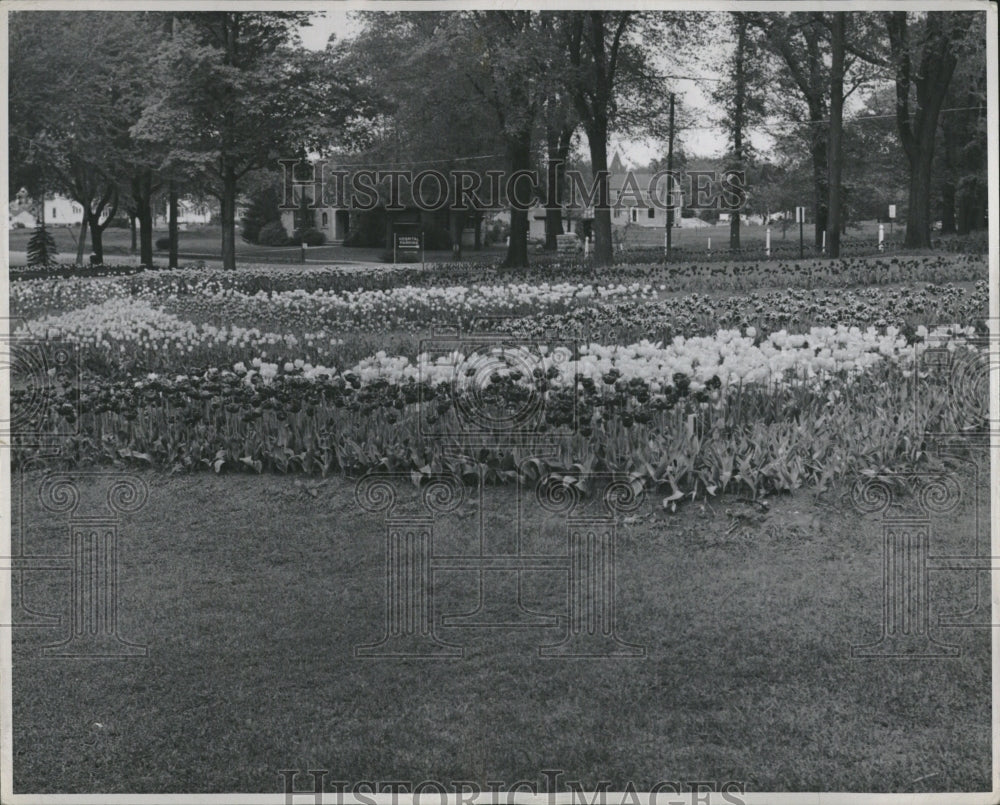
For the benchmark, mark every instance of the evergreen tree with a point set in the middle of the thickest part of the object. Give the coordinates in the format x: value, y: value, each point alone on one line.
x: 264, y: 209
x: 42, y: 249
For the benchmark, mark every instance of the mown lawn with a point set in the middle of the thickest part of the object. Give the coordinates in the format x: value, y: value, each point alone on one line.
x: 205, y: 243
x: 252, y: 592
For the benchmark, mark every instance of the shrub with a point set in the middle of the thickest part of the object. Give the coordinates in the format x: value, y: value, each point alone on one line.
x: 436, y: 237
x: 496, y: 233
x: 311, y: 237
x: 367, y: 230
x: 273, y: 234
x: 264, y: 207
x: 162, y: 244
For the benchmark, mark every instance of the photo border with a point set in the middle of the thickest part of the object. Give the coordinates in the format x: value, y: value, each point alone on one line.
x: 751, y: 798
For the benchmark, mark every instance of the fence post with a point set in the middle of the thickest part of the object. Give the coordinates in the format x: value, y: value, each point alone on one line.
x: 767, y: 242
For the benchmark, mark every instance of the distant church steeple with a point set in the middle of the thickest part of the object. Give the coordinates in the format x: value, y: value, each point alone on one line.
x: 616, y: 166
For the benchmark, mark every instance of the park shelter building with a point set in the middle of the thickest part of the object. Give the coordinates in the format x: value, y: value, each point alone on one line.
x: 334, y: 222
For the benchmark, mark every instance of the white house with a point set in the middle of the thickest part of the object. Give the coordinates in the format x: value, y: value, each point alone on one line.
x: 59, y: 211
x: 189, y: 213
x: 629, y: 194
x: 631, y: 204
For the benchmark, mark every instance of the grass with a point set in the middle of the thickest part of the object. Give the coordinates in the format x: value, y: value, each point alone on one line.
x: 251, y: 593
x: 638, y: 236
x: 205, y: 243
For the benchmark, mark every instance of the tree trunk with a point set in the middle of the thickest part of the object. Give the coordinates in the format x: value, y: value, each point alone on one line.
x: 918, y: 219
x: 948, y: 208
x: 146, y: 232
x: 131, y: 225
x: 96, y: 236
x: 82, y: 242
x: 478, y: 220
x: 739, y: 101
x: 142, y: 212
x: 970, y: 205
x: 936, y: 66
x: 834, y: 148
x: 553, y: 187
x: 456, y: 220
x: 597, y: 137
x: 519, y: 150
x: 553, y: 228
x: 228, y: 203
x: 820, y: 191
x: 172, y: 224
x: 226, y: 169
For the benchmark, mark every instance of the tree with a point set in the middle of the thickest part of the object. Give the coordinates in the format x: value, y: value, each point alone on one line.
x: 962, y: 145
x: 835, y: 153
x: 234, y: 93
x: 741, y: 96
x: 265, y: 204
x: 924, y: 56
x: 41, y: 250
x: 510, y: 74
x: 613, y: 87
x: 797, y: 41
x: 428, y: 83
x: 67, y: 118
x: 872, y: 164
x: 560, y: 127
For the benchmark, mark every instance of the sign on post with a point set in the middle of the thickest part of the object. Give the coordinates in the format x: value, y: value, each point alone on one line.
x: 408, y: 244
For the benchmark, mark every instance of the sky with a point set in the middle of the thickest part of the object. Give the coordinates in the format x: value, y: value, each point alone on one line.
x: 707, y: 139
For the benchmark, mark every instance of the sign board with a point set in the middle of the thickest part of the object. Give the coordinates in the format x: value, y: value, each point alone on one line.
x: 800, y: 215
x: 409, y: 244
x: 892, y: 210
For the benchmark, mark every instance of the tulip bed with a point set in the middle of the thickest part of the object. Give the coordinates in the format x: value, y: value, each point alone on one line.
x: 32, y: 294
x: 690, y: 395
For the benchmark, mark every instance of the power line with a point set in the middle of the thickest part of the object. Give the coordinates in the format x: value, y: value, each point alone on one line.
x: 796, y: 123
x: 414, y: 162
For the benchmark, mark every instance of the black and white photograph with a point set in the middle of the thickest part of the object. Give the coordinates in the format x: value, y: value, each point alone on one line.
x: 509, y: 403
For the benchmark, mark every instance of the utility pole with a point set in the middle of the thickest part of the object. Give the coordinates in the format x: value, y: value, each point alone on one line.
x: 670, y: 180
